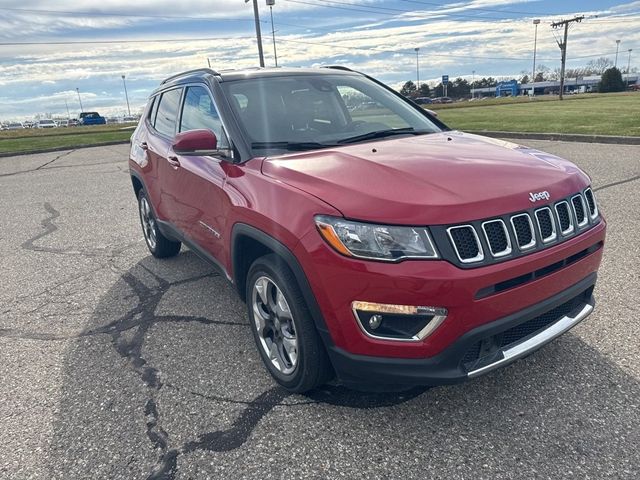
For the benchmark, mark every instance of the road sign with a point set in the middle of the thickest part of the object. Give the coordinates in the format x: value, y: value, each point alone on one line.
x: 445, y: 79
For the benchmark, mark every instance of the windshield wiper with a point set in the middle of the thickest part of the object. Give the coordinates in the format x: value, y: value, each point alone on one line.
x: 383, y: 133
x: 292, y: 146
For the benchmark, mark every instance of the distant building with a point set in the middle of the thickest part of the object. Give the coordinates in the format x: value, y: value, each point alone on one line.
x: 571, y: 85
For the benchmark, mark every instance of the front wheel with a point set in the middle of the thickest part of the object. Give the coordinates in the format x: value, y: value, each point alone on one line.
x: 159, y: 245
x: 283, y: 329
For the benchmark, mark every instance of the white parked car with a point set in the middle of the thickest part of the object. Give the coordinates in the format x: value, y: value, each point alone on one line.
x: 46, y: 124
x: 15, y: 126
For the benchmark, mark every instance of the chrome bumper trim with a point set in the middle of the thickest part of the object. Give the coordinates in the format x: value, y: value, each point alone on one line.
x: 522, y: 349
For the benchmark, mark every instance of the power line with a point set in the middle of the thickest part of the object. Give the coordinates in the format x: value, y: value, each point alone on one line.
x: 154, y: 40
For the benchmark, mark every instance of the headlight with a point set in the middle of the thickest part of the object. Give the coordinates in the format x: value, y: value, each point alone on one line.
x: 376, y: 242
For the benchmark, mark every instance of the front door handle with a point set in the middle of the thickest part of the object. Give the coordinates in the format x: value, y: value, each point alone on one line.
x: 175, y: 163
x: 144, y: 146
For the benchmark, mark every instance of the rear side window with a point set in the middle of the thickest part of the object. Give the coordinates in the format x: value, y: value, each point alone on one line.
x: 168, y: 112
x: 199, y: 112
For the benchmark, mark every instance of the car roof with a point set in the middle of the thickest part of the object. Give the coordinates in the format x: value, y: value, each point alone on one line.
x: 257, y: 72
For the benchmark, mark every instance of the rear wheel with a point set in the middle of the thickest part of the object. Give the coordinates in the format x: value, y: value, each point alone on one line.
x: 283, y: 329
x: 159, y: 245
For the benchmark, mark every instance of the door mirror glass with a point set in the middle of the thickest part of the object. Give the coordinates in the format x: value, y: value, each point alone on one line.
x: 196, y: 142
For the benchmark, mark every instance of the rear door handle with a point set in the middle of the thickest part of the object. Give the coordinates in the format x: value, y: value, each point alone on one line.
x: 175, y: 163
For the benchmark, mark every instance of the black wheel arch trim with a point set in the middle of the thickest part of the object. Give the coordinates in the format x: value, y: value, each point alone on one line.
x: 242, y: 229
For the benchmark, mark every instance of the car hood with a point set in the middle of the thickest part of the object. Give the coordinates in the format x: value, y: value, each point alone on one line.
x: 439, y: 178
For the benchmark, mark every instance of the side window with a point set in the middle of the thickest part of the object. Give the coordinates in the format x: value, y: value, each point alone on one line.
x: 363, y: 108
x: 199, y: 112
x: 153, y: 110
x: 166, y: 117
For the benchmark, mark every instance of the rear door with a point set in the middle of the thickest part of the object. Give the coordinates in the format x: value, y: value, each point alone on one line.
x: 200, y: 179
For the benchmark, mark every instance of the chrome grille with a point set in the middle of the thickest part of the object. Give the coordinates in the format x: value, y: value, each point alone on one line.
x: 579, y: 210
x: 466, y: 243
x: 591, y: 201
x: 546, y: 225
x: 564, y: 217
x: 495, y: 231
x: 523, y: 229
x: 488, y: 241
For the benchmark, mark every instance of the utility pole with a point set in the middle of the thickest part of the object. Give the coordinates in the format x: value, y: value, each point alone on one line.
x: 271, y: 3
x: 417, y: 50
x: 209, y: 62
x: 617, y: 48
x: 126, y: 95
x: 536, y: 22
x: 79, y: 101
x: 256, y: 16
x: 629, y: 65
x: 68, y: 114
x: 563, y: 46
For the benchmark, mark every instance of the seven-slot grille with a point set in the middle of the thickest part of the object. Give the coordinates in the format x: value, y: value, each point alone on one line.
x: 525, y: 230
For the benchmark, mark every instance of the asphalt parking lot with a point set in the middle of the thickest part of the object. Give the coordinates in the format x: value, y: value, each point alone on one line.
x: 117, y: 365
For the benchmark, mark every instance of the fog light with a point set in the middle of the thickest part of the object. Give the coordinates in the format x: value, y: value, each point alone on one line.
x: 375, y: 321
x: 397, y: 322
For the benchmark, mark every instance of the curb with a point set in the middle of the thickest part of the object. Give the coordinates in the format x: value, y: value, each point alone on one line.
x: 61, y: 149
x: 564, y: 137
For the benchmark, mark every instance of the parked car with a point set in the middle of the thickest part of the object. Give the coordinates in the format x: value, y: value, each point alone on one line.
x: 73, y: 122
x: 46, y: 123
x: 442, y: 100
x: 387, y: 252
x: 91, y: 118
x: 15, y: 126
x: 423, y: 100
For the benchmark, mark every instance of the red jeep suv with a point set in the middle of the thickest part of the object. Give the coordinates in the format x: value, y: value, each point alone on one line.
x: 369, y: 241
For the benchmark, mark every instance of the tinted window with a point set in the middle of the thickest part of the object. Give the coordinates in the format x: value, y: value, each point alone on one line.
x: 167, y: 112
x: 200, y: 112
x: 153, y: 110
x: 319, y: 109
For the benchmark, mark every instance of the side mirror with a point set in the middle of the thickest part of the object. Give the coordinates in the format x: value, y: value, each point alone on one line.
x: 196, y: 142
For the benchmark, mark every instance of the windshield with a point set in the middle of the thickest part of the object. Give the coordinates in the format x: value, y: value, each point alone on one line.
x: 314, y: 111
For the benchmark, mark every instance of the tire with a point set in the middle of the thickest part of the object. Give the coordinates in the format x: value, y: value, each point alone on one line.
x: 159, y: 245
x: 308, y: 366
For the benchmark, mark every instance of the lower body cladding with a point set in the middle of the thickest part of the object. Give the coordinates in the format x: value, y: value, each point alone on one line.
x: 487, y: 317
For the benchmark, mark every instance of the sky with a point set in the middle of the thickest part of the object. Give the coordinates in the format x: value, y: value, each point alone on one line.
x: 43, y: 59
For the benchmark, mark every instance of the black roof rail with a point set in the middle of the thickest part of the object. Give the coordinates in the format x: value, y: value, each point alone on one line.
x: 339, y: 67
x: 189, y: 72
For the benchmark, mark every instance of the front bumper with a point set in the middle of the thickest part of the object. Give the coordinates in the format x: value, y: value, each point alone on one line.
x: 477, y: 352
x: 472, y: 297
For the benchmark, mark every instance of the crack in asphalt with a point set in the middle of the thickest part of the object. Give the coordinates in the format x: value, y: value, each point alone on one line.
x: 615, y: 184
x: 50, y: 227
x: 142, y: 318
x: 58, y: 157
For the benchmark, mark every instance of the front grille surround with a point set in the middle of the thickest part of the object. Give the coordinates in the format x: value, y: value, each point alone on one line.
x: 489, y: 236
x: 579, y: 210
x: 564, y: 213
x: 548, y: 215
x: 591, y: 202
x: 528, y: 231
x: 465, y: 258
x: 532, y: 243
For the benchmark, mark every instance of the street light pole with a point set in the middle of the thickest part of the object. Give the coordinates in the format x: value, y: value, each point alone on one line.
x: 617, y: 48
x: 79, y: 100
x: 126, y: 95
x: 417, y: 50
x: 536, y: 22
x: 629, y: 65
x: 473, y: 84
x: 256, y: 16
x: 271, y: 3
